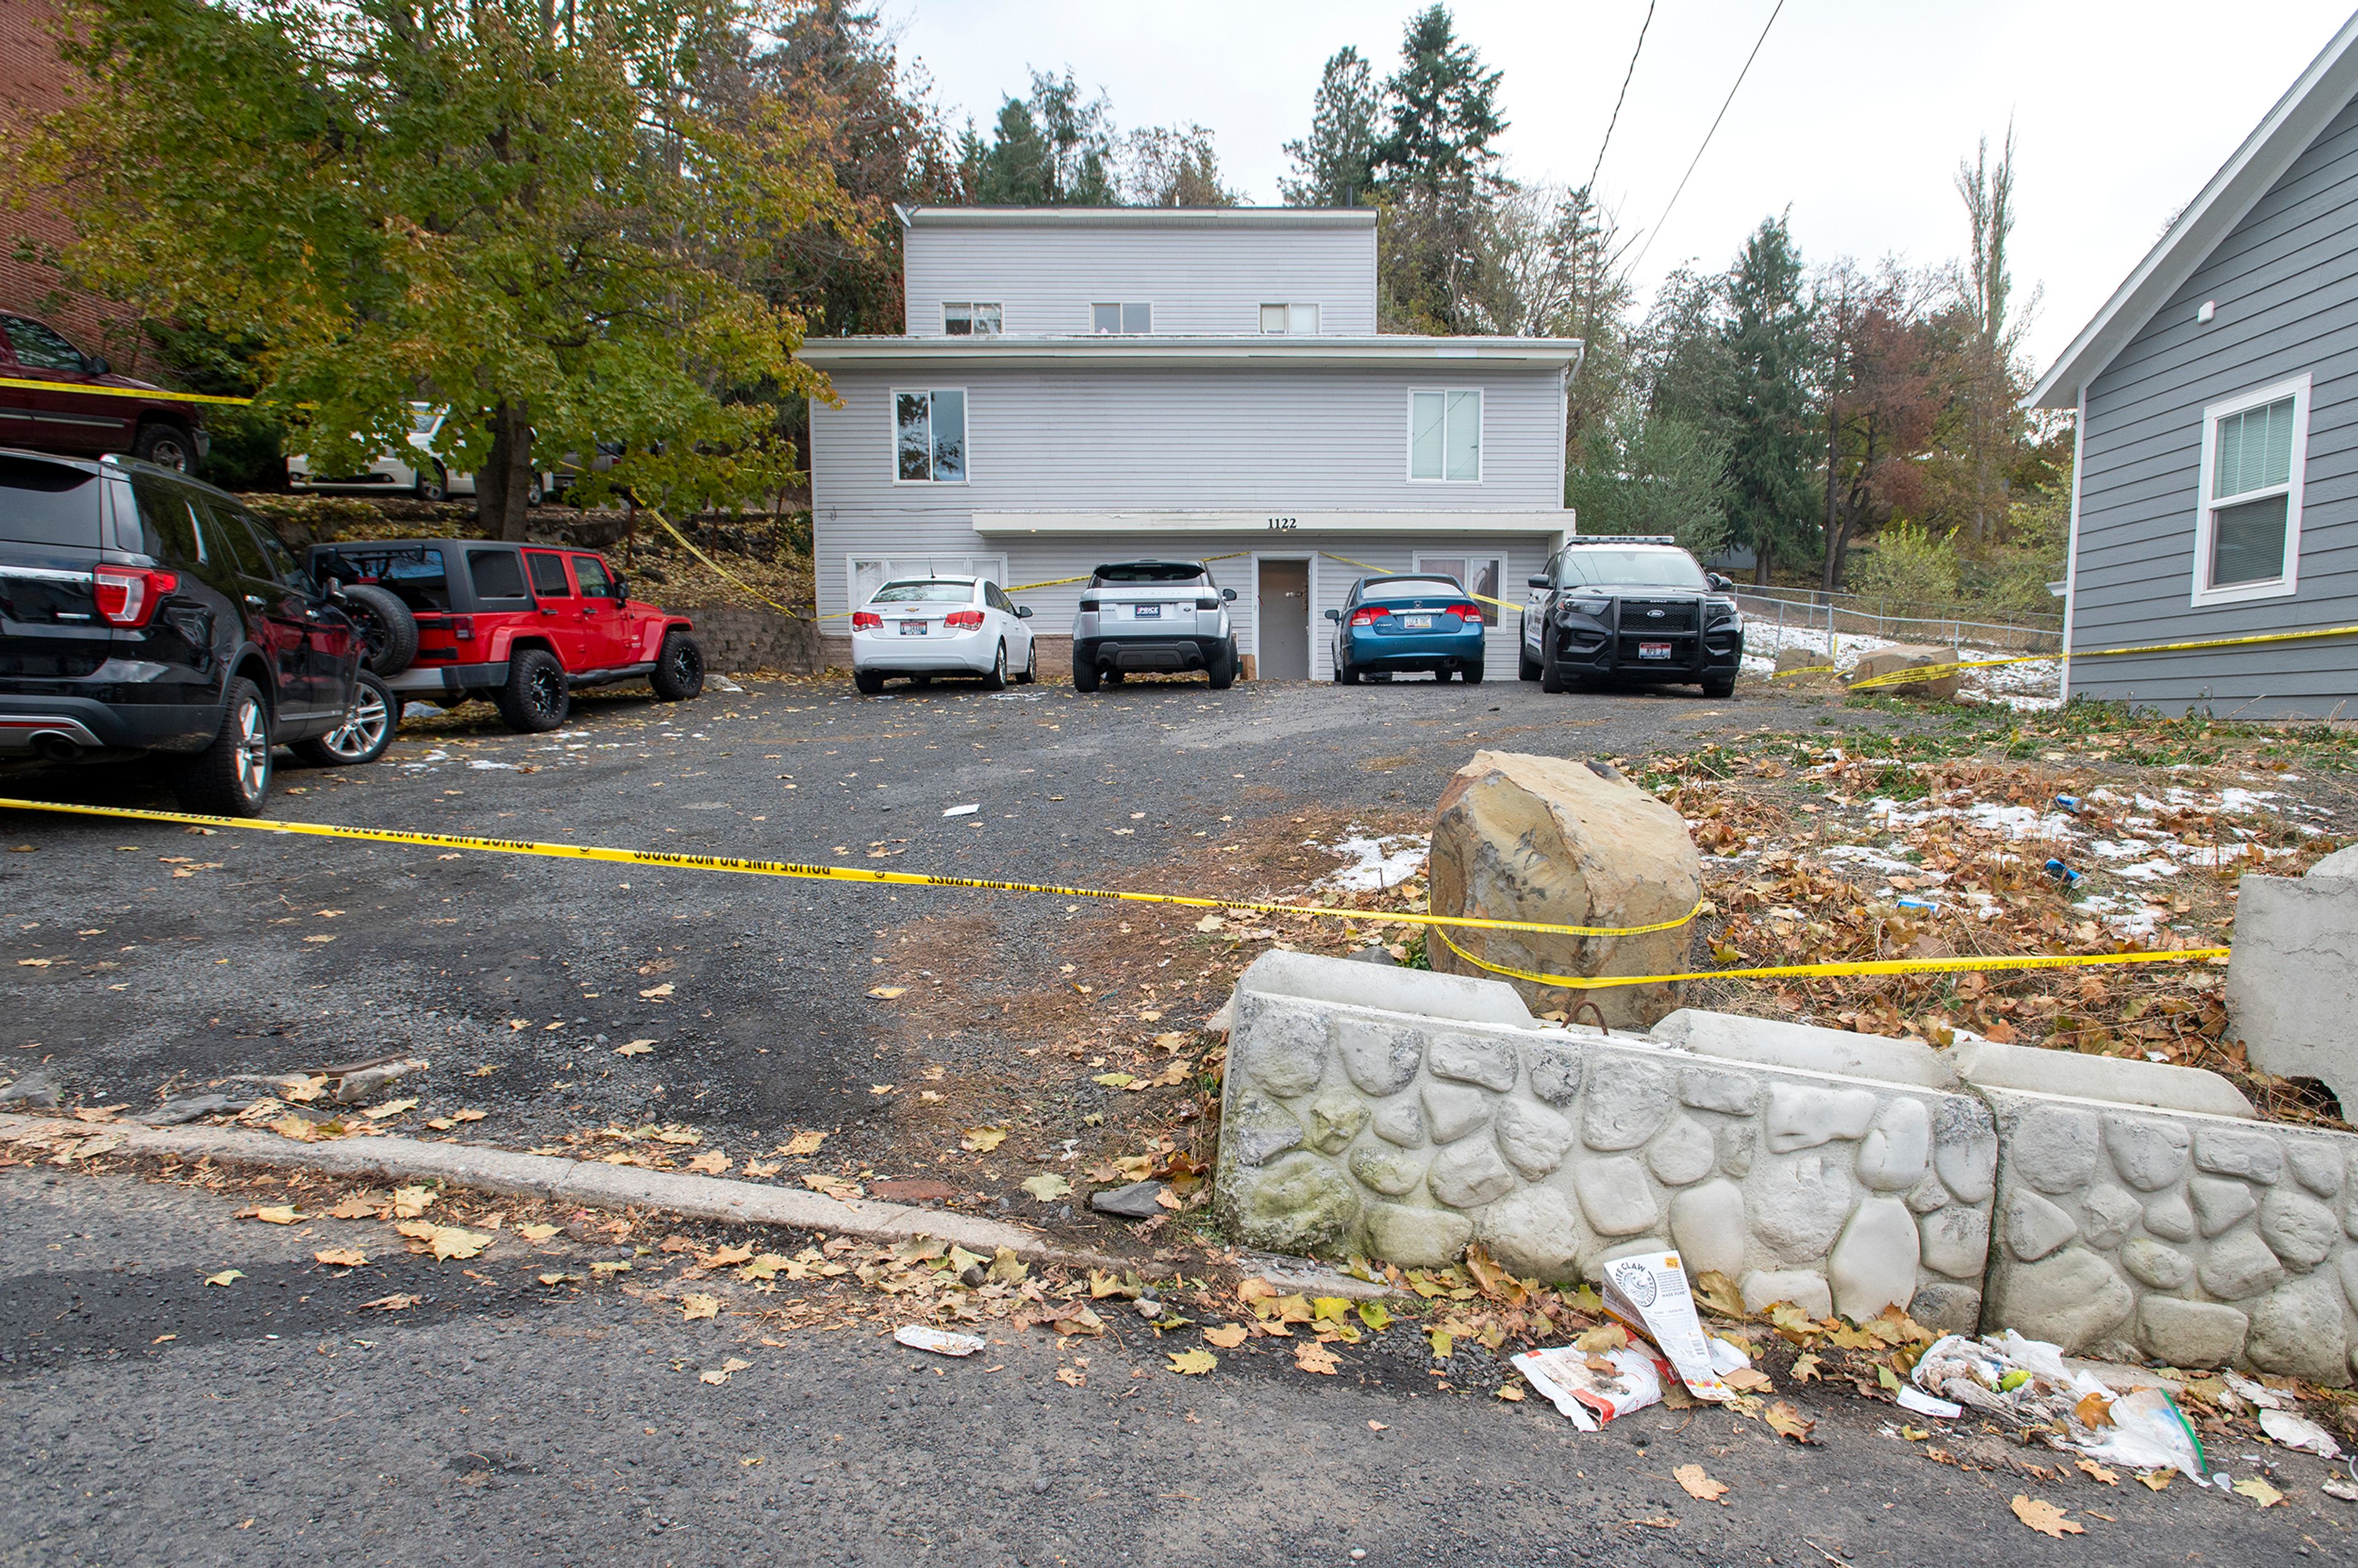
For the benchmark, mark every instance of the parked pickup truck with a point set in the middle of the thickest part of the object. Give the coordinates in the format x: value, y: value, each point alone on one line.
x: 522, y: 625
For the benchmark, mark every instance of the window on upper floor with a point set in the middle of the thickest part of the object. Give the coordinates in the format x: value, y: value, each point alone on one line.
x: 1444, y: 434
x: 1134, y: 316
x: 929, y: 435
x: 2247, y: 526
x: 969, y: 319
x: 1295, y: 321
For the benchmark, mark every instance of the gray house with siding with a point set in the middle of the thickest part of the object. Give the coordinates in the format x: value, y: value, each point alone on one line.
x: 2215, y: 490
x: 1078, y: 386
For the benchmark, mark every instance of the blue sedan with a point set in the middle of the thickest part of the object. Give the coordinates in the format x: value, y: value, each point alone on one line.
x: 1413, y: 621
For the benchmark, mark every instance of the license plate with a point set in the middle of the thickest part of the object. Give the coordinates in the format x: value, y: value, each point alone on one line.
x: 1653, y: 650
x: 1146, y: 612
x: 1417, y: 622
x: 912, y: 628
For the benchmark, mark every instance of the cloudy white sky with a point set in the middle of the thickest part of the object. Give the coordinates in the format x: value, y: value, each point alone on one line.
x: 1855, y: 115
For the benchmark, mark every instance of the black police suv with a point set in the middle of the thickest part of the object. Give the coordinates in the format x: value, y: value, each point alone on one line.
x: 1630, y: 607
x: 142, y: 611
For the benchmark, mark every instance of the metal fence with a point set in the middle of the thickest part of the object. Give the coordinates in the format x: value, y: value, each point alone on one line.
x: 1808, y: 610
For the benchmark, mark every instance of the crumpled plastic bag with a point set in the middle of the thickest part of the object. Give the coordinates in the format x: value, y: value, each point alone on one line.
x: 2023, y: 1383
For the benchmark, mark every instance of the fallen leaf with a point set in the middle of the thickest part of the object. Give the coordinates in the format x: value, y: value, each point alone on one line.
x: 1603, y: 1338
x: 1228, y: 1336
x: 711, y: 1162
x: 1072, y: 1377
x: 556, y: 1279
x: 1700, y: 1484
x: 341, y: 1257
x: 693, y: 1307
x: 681, y: 1136
x: 634, y: 1047
x: 2094, y: 1471
x: 730, y: 1257
x: 2093, y: 1410
x: 1748, y: 1379
x: 398, y: 1302
x: 1047, y: 1186
x: 1312, y: 1357
x: 1510, y: 1393
x: 610, y: 1266
x: 225, y: 1277
x: 535, y: 1232
x: 446, y: 1241
x: 2045, y: 1518
x: 1377, y: 1426
x: 277, y: 1213
x: 468, y: 1115
x: 300, y: 1129
x: 360, y: 1205
x: 1805, y: 1368
x: 1787, y: 1421
x: 1193, y: 1362
x: 802, y: 1143
x: 653, y: 991
x: 390, y: 1108
x: 408, y: 1203
x: 758, y: 1168
x: 1373, y: 1314
x: 2259, y: 1491
x: 982, y: 1140
x: 2157, y: 1480
x: 882, y: 993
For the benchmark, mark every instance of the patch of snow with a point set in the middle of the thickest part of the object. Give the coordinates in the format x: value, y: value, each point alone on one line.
x: 1375, y: 862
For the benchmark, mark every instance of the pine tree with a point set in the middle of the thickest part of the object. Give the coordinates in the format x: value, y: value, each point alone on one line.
x: 1050, y: 149
x: 1438, y: 174
x: 1335, y: 164
x: 1766, y: 402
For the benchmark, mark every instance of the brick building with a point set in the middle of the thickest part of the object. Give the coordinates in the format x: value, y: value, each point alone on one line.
x: 32, y: 82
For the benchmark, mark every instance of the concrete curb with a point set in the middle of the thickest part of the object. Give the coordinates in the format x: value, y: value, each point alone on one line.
x: 583, y: 1183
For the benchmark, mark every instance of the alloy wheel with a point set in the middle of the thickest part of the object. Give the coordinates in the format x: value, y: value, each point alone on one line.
x: 360, y: 733
x: 253, y: 765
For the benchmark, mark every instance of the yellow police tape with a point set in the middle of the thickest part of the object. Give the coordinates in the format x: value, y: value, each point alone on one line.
x: 1934, y: 672
x: 828, y: 873
x: 150, y: 393
x: 1854, y: 967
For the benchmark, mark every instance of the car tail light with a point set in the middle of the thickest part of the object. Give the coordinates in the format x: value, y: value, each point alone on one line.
x: 127, y: 595
x: 968, y: 619
x: 866, y: 620
x: 1368, y: 615
x: 462, y: 627
x: 1208, y: 604
x: 1088, y: 607
x: 1467, y: 612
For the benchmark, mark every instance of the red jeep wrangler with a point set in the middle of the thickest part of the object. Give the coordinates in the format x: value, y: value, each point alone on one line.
x: 522, y: 625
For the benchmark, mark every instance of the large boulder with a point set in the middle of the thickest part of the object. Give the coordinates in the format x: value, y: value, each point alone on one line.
x: 1569, y: 843
x: 1900, y: 657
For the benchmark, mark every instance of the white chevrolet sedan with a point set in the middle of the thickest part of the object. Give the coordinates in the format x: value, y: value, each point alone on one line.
x: 924, y: 627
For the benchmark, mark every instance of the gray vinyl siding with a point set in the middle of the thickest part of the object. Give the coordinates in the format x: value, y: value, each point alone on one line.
x: 1254, y: 439
x: 1209, y: 281
x: 2285, y: 283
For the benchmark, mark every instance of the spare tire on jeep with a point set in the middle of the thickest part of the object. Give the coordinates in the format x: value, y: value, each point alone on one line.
x: 388, y: 630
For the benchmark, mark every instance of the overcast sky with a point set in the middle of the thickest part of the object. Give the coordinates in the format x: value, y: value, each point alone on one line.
x: 1855, y: 115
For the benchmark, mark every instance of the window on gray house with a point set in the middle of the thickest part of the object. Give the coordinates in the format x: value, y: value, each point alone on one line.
x: 969, y: 319
x: 2250, y: 493
x: 1444, y: 434
x: 929, y: 435
x: 1295, y: 321
x: 1130, y: 317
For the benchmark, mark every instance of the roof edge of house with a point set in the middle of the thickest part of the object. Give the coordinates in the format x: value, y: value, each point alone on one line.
x: 2282, y: 135
x: 1384, y: 348
x: 949, y: 217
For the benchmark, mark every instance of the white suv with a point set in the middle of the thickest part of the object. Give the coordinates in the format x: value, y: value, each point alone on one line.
x: 1153, y: 615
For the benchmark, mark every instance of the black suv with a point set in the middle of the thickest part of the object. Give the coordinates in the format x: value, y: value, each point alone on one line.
x: 143, y: 612
x: 1630, y: 607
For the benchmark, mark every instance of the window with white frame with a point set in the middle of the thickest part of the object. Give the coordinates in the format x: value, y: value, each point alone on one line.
x: 868, y: 574
x: 1295, y: 321
x: 1134, y: 316
x: 1478, y: 575
x: 2247, y: 528
x: 1444, y: 434
x: 929, y: 435
x: 969, y: 319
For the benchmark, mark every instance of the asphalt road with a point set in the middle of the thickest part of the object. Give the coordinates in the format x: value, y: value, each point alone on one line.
x: 501, y: 1420
x: 280, y: 1418
x: 177, y: 960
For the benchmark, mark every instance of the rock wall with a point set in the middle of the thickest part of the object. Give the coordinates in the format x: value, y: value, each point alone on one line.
x: 1406, y: 1114
x: 1407, y: 1133
x: 2137, y: 1234
x: 739, y: 638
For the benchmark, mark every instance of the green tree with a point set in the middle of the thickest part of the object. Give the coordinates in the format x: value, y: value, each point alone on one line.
x: 1765, y: 404
x: 1984, y: 429
x: 1438, y: 173
x: 1173, y: 166
x: 1651, y: 473
x: 1333, y: 167
x: 545, y: 220
x: 1050, y: 149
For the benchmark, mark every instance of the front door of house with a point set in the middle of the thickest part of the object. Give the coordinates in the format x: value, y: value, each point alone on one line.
x: 1281, y: 620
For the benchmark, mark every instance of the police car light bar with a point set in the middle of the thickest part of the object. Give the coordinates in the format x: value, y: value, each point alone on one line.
x: 1621, y: 539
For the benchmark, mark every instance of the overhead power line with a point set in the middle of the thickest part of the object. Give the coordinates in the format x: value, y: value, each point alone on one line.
x: 1707, y: 136
x: 1624, y: 98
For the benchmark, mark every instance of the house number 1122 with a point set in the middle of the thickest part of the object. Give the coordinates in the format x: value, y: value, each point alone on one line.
x: 1283, y: 524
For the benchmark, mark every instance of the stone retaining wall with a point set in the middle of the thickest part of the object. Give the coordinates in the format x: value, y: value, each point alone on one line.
x: 1405, y: 1114
x: 739, y: 637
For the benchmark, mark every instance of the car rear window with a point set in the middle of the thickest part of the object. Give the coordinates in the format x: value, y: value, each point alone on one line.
x: 1149, y: 571
x: 496, y: 574
x: 1410, y: 588
x: 49, y: 503
x: 924, y: 593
